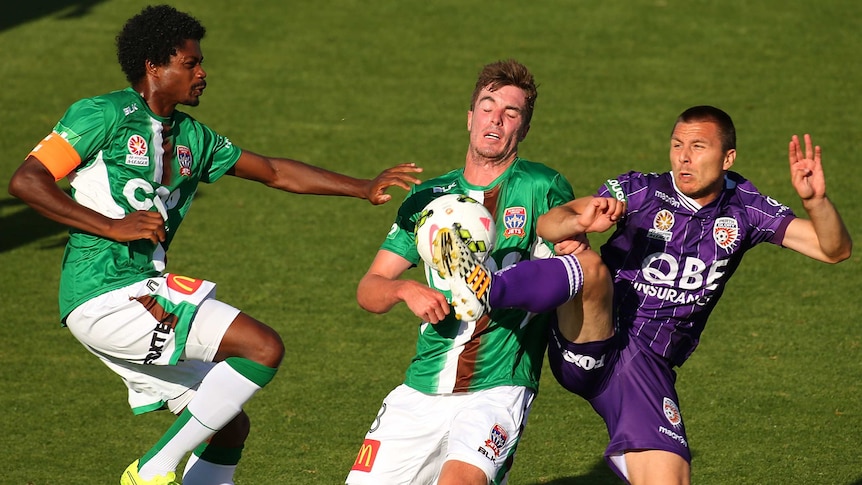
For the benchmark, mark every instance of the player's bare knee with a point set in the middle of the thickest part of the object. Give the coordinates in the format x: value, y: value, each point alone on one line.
x: 252, y: 340
x: 271, y: 348
x: 597, y: 278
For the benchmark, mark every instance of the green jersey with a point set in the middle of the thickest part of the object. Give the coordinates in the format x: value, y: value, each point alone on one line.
x: 131, y: 159
x: 507, y: 346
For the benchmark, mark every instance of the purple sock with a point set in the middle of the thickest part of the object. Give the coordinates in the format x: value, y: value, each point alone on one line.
x: 538, y: 285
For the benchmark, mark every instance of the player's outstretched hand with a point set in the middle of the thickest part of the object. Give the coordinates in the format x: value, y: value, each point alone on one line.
x: 806, y: 172
x: 580, y: 216
x: 138, y: 225
x: 399, y: 175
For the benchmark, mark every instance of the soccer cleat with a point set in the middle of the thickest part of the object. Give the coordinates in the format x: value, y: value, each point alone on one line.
x: 469, y: 279
x: 131, y: 477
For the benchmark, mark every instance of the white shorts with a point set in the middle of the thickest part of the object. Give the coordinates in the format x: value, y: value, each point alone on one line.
x: 415, y: 433
x: 159, y: 335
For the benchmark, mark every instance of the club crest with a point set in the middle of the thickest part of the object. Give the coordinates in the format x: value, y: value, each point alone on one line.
x: 514, y: 219
x: 725, y: 232
x: 671, y: 412
x: 184, y: 157
x: 497, y: 439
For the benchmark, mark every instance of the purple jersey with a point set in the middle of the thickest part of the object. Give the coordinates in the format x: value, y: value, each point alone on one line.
x: 671, y: 258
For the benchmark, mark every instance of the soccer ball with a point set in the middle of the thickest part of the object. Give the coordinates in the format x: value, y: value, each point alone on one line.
x: 474, y: 223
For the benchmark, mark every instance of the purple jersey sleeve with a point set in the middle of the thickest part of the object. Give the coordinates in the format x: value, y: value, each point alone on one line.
x: 671, y: 259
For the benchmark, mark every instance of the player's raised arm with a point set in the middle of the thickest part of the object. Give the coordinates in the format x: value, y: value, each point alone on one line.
x: 823, y: 236
x: 302, y: 178
x: 580, y: 216
x: 36, y: 185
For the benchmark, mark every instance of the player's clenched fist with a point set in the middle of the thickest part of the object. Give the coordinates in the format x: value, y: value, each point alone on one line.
x: 426, y: 303
x: 138, y: 225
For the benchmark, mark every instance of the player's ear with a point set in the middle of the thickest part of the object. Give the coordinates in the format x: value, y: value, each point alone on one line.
x: 729, y: 158
x: 469, y: 119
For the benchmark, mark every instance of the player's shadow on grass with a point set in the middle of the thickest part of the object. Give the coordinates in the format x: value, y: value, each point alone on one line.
x: 600, y: 474
x: 16, y: 13
x: 22, y: 225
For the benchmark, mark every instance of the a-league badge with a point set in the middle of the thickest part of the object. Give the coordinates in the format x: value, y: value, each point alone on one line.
x: 662, y: 223
x: 137, y: 145
x: 137, y: 155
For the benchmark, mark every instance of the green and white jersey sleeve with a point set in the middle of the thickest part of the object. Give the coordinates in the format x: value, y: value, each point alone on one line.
x: 131, y: 159
x: 506, y: 347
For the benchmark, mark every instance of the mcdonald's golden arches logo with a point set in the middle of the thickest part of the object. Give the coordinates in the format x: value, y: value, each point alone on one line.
x: 184, y: 284
x: 367, y: 454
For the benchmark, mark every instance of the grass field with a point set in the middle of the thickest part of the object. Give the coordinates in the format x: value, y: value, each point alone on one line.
x: 771, y: 397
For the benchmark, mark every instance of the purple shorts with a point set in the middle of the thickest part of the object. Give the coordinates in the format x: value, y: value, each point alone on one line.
x: 629, y: 386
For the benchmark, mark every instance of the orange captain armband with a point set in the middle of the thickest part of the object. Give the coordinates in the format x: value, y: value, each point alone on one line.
x: 57, y: 155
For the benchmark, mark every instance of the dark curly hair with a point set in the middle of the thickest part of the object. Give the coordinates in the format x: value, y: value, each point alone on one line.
x: 154, y: 35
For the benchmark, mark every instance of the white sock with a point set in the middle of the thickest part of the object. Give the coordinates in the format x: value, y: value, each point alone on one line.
x: 174, y: 446
x: 220, y: 397
x: 218, y: 400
